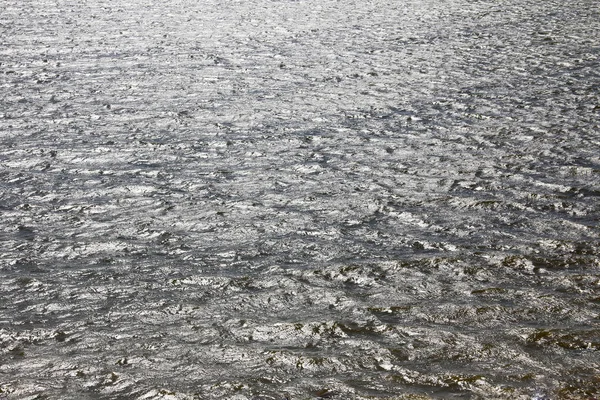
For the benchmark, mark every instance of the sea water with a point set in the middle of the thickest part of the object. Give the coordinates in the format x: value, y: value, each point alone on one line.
x: 301, y: 199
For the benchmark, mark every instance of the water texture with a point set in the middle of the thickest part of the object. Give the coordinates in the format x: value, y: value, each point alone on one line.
x: 302, y: 199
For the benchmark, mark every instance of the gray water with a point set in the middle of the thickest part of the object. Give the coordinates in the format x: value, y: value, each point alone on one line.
x: 302, y: 199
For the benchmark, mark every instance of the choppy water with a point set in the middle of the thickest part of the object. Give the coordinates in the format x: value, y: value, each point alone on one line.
x: 299, y: 199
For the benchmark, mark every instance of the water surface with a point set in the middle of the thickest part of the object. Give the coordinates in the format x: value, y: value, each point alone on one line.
x: 299, y: 199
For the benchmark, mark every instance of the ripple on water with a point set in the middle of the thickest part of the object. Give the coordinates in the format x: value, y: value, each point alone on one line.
x: 266, y: 201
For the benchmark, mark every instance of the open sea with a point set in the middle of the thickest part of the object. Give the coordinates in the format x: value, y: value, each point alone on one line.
x: 300, y: 199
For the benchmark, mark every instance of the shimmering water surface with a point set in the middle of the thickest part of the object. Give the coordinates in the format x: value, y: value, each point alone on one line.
x: 302, y: 199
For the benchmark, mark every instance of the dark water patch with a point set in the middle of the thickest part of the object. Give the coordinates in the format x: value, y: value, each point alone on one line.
x: 571, y: 340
